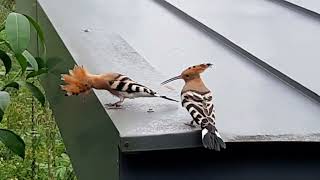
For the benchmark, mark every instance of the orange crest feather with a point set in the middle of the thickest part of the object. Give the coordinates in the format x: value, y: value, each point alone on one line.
x: 77, y: 81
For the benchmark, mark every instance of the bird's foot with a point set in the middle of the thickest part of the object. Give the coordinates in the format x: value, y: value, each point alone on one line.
x: 113, y: 106
x: 190, y: 125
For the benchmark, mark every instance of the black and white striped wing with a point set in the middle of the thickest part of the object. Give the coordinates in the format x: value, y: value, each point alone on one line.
x: 200, y: 106
x: 209, y: 106
x: 130, y: 89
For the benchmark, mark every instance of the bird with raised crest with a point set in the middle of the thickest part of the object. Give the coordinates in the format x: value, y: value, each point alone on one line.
x: 198, y: 101
x: 80, y: 81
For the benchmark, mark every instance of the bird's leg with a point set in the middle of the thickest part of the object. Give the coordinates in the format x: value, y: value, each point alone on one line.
x: 116, y: 105
x: 191, y: 124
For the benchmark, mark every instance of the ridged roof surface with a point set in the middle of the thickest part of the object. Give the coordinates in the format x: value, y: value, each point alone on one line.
x: 265, y: 53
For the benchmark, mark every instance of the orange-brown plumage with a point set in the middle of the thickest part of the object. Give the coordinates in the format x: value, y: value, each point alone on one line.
x: 79, y: 80
x: 192, y: 78
x: 197, y: 69
x: 198, y: 101
x: 71, y: 89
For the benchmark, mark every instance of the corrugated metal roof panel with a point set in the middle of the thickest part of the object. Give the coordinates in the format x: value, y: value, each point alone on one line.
x: 283, y: 38
x: 312, y: 5
x: 252, y: 105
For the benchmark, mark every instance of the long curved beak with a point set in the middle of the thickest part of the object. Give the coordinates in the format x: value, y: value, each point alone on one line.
x: 171, y: 79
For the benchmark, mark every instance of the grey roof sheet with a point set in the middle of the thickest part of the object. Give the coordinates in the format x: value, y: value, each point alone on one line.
x: 251, y: 103
x: 283, y: 38
x: 312, y: 5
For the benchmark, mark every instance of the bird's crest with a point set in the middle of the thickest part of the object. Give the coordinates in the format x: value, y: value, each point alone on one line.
x: 196, y: 69
x: 189, y: 73
x: 76, y: 81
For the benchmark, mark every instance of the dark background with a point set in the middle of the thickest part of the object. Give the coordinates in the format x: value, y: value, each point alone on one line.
x: 240, y: 161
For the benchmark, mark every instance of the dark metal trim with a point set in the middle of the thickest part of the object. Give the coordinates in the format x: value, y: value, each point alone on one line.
x: 161, y: 142
x: 90, y: 137
x: 193, y: 140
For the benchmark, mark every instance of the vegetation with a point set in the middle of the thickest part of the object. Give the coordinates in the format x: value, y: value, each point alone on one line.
x: 27, y: 123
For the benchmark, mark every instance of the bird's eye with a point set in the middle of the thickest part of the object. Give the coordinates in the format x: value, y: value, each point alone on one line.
x: 187, y: 75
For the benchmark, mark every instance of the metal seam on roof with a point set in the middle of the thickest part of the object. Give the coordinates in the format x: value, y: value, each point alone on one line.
x: 302, y: 6
x: 280, y: 36
x: 298, y: 8
x: 256, y: 60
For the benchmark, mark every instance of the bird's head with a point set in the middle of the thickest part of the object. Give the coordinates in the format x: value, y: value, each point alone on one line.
x: 190, y: 73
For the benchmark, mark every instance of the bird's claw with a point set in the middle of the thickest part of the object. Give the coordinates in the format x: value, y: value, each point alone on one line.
x: 113, y: 106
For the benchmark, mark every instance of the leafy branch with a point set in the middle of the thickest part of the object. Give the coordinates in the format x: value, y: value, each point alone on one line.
x: 17, y: 30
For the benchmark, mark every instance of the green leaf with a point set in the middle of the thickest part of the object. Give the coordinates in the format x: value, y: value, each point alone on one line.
x: 39, y: 31
x: 22, y: 61
x: 42, y: 68
x: 13, y: 142
x: 1, y: 115
x: 41, y: 63
x: 35, y: 92
x: 37, y: 73
x: 6, y: 61
x: 31, y: 60
x: 4, y: 102
x: 11, y: 84
x: 18, y: 32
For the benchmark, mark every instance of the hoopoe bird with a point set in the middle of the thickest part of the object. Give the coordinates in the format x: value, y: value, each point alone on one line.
x: 197, y: 99
x: 79, y: 81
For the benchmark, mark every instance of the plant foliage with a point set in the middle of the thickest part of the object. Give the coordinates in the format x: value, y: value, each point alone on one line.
x: 44, y: 151
x: 17, y: 32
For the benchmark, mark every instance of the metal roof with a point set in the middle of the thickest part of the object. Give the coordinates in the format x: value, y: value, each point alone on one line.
x: 153, y: 40
x: 309, y: 5
x: 283, y: 38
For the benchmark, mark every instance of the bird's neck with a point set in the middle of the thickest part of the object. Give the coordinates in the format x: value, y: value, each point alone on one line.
x: 195, y: 84
x: 99, y: 81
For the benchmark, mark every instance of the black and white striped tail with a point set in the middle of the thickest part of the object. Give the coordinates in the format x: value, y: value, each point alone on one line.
x: 211, y: 138
x: 131, y: 89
